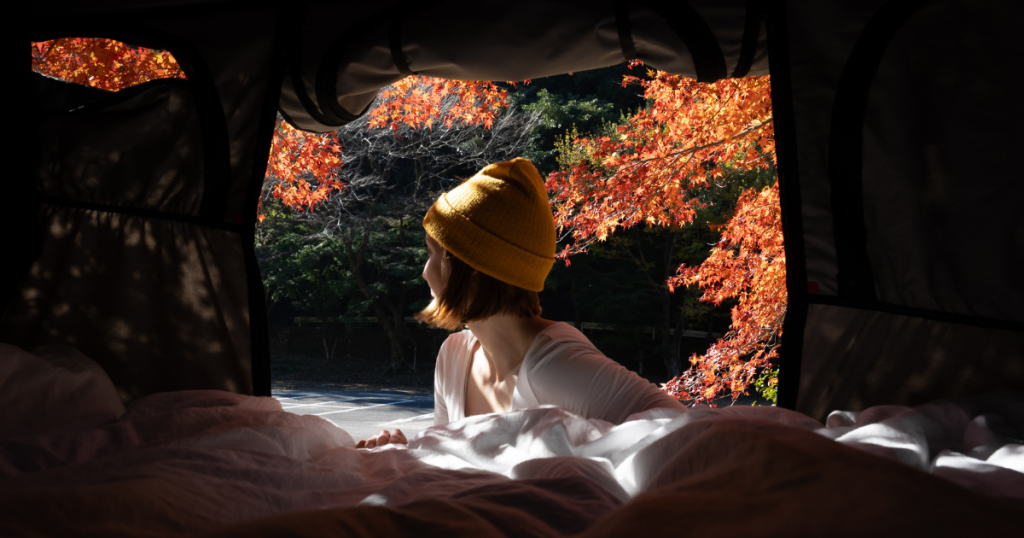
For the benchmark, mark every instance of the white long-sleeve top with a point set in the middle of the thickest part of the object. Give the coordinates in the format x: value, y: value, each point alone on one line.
x: 561, y: 368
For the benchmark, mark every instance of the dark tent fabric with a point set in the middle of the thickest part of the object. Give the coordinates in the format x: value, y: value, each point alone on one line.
x: 341, y: 67
x: 907, y: 187
x: 143, y: 255
x: 895, y: 124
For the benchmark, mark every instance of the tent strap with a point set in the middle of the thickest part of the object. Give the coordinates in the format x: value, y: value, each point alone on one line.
x: 625, y: 32
x: 295, y: 73
x: 395, y: 43
x: 854, y: 275
x: 923, y: 313
x: 693, y: 30
x: 751, y: 31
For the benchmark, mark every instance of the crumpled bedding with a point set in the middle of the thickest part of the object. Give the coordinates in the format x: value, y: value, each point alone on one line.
x: 211, y: 461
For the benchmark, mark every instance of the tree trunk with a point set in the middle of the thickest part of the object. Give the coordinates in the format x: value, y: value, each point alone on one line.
x: 393, y: 326
x: 676, y: 359
x: 577, y: 316
x: 393, y: 332
x: 669, y: 345
x: 666, y: 335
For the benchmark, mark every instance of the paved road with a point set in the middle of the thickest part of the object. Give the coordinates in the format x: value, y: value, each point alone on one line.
x: 363, y: 414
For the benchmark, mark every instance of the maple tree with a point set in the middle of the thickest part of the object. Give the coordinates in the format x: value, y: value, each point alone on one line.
x: 748, y: 264
x: 650, y: 170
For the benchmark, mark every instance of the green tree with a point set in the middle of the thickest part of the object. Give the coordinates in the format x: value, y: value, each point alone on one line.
x: 370, y: 231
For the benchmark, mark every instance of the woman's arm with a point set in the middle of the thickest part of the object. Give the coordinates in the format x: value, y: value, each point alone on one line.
x: 441, y: 388
x: 440, y: 407
x: 579, y: 378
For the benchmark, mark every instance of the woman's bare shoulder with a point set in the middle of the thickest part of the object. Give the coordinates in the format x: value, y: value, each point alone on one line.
x: 461, y: 338
x: 455, y: 346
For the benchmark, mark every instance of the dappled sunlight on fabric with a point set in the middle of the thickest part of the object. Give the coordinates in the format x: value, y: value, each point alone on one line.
x: 115, y: 313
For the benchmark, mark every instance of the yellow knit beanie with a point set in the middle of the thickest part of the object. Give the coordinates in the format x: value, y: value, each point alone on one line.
x: 499, y: 222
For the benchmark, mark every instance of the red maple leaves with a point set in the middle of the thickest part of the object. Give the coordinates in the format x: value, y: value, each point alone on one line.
x: 102, y: 63
x: 646, y: 172
x: 649, y: 171
x: 303, y: 169
x: 747, y: 264
x: 423, y: 102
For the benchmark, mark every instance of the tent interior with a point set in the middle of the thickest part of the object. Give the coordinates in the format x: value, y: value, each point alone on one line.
x: 896, y: 133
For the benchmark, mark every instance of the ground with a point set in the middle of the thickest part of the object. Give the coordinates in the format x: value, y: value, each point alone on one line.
x: 363, y: 413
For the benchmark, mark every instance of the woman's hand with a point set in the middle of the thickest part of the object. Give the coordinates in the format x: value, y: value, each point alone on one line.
x: 383, y: 438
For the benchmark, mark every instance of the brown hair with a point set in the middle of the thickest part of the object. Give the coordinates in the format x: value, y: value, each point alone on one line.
x: 470, y: 295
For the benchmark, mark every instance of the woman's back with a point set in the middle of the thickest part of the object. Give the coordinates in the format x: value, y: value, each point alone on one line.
x: 561, y: 368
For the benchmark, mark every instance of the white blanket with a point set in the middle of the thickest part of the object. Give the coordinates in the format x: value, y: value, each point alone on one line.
x: 248, y: 457
x: 189, y: 461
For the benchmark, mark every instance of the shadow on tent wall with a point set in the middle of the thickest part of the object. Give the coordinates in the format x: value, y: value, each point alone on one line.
x: 151, y: 301
x: 128, y: 273
x: 900, y: 360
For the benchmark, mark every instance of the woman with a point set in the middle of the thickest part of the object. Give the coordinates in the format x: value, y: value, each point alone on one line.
x: 491, y: 242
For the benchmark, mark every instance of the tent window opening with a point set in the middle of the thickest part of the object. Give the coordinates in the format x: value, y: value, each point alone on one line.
x: 663, y: 187
x: 634, y: 176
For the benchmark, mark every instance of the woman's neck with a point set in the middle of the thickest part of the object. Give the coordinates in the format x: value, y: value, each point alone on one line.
x: 506, y: 339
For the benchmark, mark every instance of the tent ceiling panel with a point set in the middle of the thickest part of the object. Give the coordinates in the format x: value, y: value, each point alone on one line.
x: 331, y: 85
x: 115, y: 7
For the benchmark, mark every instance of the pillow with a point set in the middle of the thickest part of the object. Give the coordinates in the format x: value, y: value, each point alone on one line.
x: 53, y: 387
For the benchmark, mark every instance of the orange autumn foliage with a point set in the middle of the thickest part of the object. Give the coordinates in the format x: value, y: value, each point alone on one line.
x: 102, y: 63
x: 423, y: 102
x: 303, y: 168
x: 747, y: 264
x: 650, y: 171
